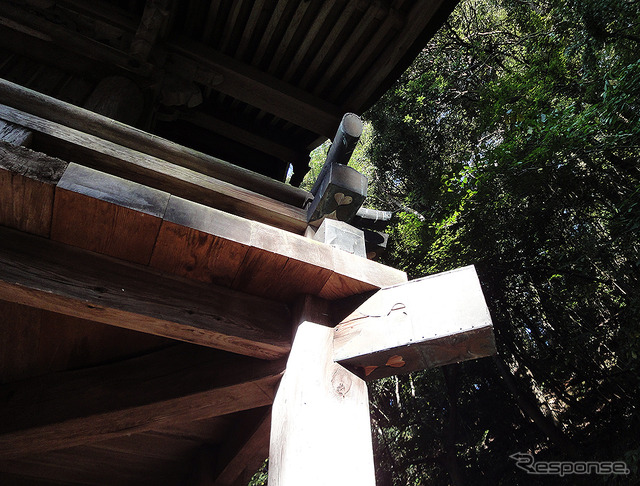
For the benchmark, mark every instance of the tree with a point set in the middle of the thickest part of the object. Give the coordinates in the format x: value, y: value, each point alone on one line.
x: 513, y: 143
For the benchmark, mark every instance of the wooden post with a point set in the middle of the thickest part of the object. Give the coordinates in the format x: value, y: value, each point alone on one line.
x: 320, y: 432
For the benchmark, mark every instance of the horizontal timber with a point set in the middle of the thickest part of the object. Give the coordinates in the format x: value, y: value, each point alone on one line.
x: 68, y: 115
x: 425, y: 323
x: 76, y: 146
x: 179, y: 384
x: 256, y: 88
x: 51, y: 276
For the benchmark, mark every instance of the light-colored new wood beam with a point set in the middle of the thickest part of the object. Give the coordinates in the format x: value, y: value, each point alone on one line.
x: 429, y: 322
x: 51, y: 276
x: 178, y: 384
x: 320, y: 432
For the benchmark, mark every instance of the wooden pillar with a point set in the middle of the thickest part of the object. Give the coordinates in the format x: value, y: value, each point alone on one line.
x: 320, y: 432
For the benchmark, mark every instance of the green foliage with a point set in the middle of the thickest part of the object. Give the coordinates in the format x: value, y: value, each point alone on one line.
x: 513, y: 143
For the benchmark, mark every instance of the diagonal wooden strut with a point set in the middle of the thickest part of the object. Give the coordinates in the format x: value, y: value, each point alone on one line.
x: 179, y: 384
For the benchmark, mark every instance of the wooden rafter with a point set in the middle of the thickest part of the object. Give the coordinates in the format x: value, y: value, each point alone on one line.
x: 178, y: 384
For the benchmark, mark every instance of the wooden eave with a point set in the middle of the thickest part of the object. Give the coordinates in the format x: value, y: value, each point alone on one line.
x: 257, y: 83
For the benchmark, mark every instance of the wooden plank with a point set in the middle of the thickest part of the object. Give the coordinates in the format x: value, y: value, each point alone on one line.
x: 200, y: 243
x: 425, y: 323
x: 320, y: 417
x: 107, y: 214
x: 182, y: 383
x: 71, y: 116
x: 27, y: 185
x: 205, y: 244
x: 76, y: 146
x: 70, y: 281
x: 15, y: 134
x: 257, y: 88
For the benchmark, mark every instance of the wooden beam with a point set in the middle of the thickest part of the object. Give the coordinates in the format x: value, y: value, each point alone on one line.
x: 320, y: 431
x: 15, y: 134
x: 76, y: 146
x: 254, y: 87
x: 179, y: 384
x: 106, y: 214
x: 27, y: 184
x: 202, y: 243
x: 51, y: 276
x: 154, y: 17
x: 68, y: 115
x: 424, y: 323
x: 238, y: 134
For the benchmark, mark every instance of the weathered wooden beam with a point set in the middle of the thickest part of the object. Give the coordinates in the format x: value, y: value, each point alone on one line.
x: 76, y: 146
x: 259, y: 259
x: 179, y: 384
x: 15, y: 134
x: 23, y: 20
x: 47, y: 275
x: 252, y: 86
x: 106, y: 214
x: 320, y: 414
x: 68, y: 115
x: 154, y: 18
x: 238, y: 134
x: 27, y: 184
x: 424, y: 323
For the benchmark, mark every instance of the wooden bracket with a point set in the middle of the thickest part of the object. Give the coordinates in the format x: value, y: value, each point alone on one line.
x: 429, y: 322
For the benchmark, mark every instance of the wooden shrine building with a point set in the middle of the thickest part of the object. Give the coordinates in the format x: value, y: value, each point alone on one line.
x: 154, y: 266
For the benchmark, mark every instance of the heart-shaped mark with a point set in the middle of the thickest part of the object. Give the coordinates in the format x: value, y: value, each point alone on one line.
x: 369, y: 369
x: 395, y: 362
x: 342, y: 200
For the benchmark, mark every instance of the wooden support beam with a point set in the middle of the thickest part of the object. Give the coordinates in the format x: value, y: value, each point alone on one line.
x: 67, y: 115
x: 424, y: 323
x: 118, y: 98
x: 154, y: 17
x: 76, y: 146
x: 205, y: 244
x: 47, y: 275
x: 27, y: 184
x: 106, y: 214
x: 179, y: 384
x: 339, y: 195
x: 15, y: 134
x: 320, y: 431
x: 238, y: 134
x: 252, y: 86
